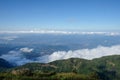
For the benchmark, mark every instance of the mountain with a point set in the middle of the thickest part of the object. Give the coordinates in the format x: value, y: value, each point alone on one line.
x: 107, y: 68
x: 104, y: 68
x: 5, y: 64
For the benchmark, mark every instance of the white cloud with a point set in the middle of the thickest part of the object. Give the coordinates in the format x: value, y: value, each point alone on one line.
x: 64, y: 32
x: 26, y: 50
x: 83, y: 53
x: 18, y: 58
x: 15, y: 57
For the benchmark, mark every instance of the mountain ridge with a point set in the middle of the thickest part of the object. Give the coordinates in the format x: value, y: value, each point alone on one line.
x: 104, y: 68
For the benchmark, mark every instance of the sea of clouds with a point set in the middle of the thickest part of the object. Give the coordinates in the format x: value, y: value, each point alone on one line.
x: 64, y: 32
x: 17, y: 57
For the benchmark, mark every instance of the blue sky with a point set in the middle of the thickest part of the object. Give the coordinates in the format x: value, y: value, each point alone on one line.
x: 92, y: 15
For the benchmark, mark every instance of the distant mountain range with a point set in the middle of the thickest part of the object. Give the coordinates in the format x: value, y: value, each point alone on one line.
x: 106, y: 68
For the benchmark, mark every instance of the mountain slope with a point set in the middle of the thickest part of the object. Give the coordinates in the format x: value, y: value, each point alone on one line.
x: 4, y: 64
x: 107, y: 68
x: 104, y: 68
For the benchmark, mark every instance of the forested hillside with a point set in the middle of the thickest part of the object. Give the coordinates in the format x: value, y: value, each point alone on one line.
x: 105, y: 68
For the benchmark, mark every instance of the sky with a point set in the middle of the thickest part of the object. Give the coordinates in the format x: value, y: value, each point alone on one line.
x: 84, y: 15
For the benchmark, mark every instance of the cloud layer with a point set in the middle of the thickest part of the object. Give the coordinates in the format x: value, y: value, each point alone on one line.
x: 64, y: 32
x: 84, y: 53
x: 18, y: 58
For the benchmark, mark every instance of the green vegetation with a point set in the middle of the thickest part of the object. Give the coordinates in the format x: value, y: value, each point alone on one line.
x: 105, y: 68
x: 48, y: 76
